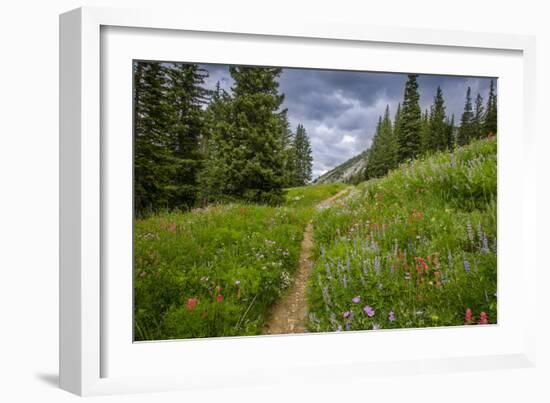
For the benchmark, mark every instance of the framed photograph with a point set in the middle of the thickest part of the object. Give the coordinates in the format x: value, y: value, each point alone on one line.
x: 239, y: 199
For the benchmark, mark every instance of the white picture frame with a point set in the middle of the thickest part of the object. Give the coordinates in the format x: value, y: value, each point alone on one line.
x: 92, y: 347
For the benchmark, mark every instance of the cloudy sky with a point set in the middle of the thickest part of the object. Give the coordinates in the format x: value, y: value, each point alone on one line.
x: 340, y: 109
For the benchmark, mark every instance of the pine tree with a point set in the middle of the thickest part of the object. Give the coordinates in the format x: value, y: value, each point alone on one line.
x: 215, y: 144
x: 490, y: 124
x: 396, y: 130
x: 186, y: 96
x: 466, y: 130
x: 425, y: 145
x: 438, y: 140
x: 381, y: 156
x: 478, y: 125
x: 289, y: 152
x: 153, y: 161
x: 304, y: 159
x: 373, y: 161
x: 246, y: 156
x: 408, y: 142
x: 450, y: 132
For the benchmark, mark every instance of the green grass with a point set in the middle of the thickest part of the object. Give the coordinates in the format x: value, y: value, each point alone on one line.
x: 235, y: 261
x: 441, y: 209
x: 304, y: 198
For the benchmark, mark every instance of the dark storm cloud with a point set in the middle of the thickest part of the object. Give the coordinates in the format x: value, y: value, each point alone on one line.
x: 340, y: 109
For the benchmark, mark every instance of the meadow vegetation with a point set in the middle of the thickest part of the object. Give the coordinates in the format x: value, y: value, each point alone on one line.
x: 217, y: 271
x: 416, y: 248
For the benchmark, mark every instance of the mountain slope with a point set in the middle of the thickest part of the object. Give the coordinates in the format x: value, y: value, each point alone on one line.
x: 346, y: 171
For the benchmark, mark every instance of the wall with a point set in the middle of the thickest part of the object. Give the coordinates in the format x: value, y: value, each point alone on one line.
x: 29, y: 187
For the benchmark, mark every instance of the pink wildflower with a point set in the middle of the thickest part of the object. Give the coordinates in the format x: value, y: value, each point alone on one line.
x: 468, y: 317
x: 191, y: 303
x: 483, y: 319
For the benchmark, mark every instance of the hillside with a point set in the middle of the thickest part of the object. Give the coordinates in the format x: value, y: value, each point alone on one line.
x: 346, y: 171
x: 415, y: 248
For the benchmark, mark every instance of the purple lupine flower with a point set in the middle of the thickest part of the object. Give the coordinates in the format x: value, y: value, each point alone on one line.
x: 339, y: 328
x: 391, y: 316
x: 346, y: 314
x: 484, y: 244
x: 375, y: 326
x: 466, y: 265
x: 369, y: 311
x: 326, y: 296
x: 348, y: 324
x: 470, y: 231
x: 356, y: 299
x: 377, y: 264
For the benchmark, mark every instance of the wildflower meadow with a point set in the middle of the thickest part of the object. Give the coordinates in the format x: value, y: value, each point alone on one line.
x: 416, y: 248
x: 217, y: 271
x: 275, y: 200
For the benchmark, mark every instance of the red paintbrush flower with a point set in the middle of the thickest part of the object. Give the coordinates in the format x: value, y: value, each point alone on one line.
x: 191, y: 303
x: 468, y: 317
x: 219, y: 298
x: 483, y: 319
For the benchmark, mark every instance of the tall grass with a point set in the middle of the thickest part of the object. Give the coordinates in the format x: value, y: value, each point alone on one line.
x: 217, y: 271
x: 413, y: 249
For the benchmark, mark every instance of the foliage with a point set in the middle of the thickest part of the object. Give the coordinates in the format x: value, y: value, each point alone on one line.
x: 185, y: 98
x: 216, y: 271
x: 490, y: 122
x: 246, y: 153
x: 413, y: 249
x: 153, y: 159
x: 382, y: 156
x: 438, y: 131
x: 466, y: 131
x: 408, y: 141
x: 478, y: 129
x: 303, y: 158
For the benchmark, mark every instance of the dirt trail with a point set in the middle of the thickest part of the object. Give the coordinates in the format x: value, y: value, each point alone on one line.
x: 290, y: 314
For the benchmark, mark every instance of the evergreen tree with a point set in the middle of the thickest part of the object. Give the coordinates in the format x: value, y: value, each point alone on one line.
x: 215, y: 144
x: 153, y: 160
x: 186, y: 96
x: 490, y: 124
x: 450, y: 132
x: 381, y: 156
x: 438, y: 131
x: 466, y: 130
x: 408, y: 142
x: 425, y: 131
x: 396, y: 130
x: 246, y: 156
x: 373, y: 163
x: 478, y: 124
x: 289, y: 152
x: 304, y: 159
